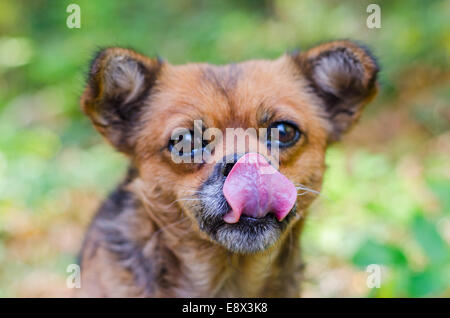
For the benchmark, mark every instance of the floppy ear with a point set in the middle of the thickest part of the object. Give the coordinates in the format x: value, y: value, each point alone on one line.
x: 343, y: 75
x: 120, y: 80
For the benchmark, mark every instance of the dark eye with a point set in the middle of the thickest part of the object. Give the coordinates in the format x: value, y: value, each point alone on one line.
x: 186, y: 141
x: 288, y: 134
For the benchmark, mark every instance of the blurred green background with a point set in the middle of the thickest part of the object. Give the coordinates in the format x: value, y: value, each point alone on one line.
x: 386, y: 197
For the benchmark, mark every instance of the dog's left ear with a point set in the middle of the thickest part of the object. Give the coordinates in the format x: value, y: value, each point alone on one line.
x: 120, y: 80
x: 343, y: 75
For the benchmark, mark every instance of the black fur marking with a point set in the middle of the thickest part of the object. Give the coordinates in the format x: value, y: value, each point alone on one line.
x: 224, y: 78
x: 119, y: 199
x: 130, y: 256
x: 147, y: 272
x: 128, y: 252
x: 111, y: 208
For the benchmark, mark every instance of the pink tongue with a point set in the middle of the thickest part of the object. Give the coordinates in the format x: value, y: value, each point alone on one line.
x: 254, y: 188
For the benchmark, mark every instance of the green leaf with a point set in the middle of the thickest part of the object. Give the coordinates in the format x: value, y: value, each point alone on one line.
x: 426, y: 283
x: 441, y: 188
x: 372, y: 252
x: 429, y: 239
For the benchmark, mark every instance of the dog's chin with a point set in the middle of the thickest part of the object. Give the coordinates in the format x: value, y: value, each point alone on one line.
x: 249, y: 235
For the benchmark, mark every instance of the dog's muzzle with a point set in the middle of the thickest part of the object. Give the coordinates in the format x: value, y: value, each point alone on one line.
x: 245, y: 204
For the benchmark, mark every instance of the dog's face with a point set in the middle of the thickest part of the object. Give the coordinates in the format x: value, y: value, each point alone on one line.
x: 147, y: 108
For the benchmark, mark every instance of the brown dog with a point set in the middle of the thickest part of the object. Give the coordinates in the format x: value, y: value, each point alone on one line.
x: 222, y: 228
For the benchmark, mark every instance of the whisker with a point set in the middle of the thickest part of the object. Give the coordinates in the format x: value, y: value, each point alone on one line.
x: 170, y: 225
x: 186, y: 198
x: 300, y: 186
x: 192, y: 188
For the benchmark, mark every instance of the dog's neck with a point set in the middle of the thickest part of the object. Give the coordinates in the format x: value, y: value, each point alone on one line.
x: 186, y: 263
x: 219, y: 273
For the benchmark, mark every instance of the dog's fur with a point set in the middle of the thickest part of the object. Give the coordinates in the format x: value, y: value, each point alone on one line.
x: 146, y: 240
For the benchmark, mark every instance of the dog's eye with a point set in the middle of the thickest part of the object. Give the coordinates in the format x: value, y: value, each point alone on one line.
x: 288, y: 134
x: 185, y: 144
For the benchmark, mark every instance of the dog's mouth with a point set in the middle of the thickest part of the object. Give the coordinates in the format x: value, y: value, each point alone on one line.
x: 249, y: 234
x: 247, y: 208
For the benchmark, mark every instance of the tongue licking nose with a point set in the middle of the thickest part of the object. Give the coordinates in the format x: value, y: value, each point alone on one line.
x: 254, y: 188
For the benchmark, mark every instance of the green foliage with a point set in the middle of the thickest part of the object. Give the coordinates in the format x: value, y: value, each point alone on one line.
x: 433, y: 246
x: 372, y: 252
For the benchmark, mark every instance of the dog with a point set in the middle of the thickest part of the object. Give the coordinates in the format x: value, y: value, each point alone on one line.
x: 222, y: 228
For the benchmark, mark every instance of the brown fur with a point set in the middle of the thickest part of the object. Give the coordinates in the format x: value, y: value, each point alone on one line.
x: 148, y: 244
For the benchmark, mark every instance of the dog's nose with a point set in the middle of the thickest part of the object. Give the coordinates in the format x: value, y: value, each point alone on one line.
x: 254, y: 188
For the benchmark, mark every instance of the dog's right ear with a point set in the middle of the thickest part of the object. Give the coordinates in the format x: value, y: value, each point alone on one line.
x: 120, y: 80
x: 343, y: 75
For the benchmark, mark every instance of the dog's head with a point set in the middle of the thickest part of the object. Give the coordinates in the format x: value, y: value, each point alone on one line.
x: 181, y: 126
